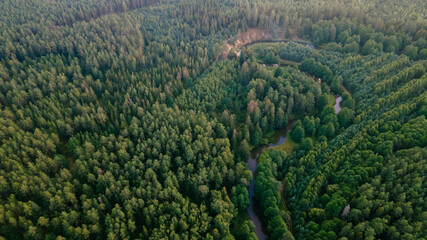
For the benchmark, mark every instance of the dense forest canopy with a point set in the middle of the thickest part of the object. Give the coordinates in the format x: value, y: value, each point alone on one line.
x: 121, y: 120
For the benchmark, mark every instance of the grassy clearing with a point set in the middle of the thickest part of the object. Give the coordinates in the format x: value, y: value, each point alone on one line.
x: 288, y: 145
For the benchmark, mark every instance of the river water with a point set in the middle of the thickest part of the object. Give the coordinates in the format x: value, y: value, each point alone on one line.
x: 279, y: 138
x: 337, y: 105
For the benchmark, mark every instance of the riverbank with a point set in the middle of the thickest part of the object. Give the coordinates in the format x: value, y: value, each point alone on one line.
x: 278, y: 139
x: 281, y: 141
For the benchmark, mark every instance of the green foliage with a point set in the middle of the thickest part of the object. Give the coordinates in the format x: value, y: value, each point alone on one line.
x: 307, y: 144
x: 317, y: 69
x: 346, y: 179
x: 120, y: 120
x: 371, y: 47
x: 240, y: 197
x: 411, y: 51
x: 298, y: 134
x: 345, y: 117
x: 351, y: 47
x: 267, y: 195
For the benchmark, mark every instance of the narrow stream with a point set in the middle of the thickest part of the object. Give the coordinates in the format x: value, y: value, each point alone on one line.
x: 280, y: 137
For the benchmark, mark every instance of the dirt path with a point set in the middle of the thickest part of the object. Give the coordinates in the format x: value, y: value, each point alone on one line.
x: 252, y: 34
x: 345, y: 90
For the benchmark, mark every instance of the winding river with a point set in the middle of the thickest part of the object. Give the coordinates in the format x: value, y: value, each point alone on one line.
x: 279, y: 138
